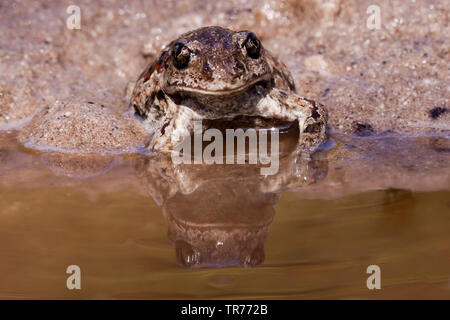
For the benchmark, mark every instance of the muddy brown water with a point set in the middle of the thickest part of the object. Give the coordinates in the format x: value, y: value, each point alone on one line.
x: 136, y: 226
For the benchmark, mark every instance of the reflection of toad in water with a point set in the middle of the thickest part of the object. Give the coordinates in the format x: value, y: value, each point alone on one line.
x: 219, y: 215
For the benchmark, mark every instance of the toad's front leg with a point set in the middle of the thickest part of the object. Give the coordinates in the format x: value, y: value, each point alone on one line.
x: 173, y: 128
x: 311, y: 115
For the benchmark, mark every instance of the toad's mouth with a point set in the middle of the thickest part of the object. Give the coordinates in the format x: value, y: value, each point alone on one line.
x: 222, y: 91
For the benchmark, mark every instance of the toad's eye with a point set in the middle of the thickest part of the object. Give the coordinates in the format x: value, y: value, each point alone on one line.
x: 181, y: 55
x: 253, y: 46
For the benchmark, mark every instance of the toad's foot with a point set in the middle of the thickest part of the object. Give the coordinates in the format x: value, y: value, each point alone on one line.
x: 173, y: 128
x: 311, y: 115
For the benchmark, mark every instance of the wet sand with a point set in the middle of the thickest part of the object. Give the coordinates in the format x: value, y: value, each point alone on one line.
x: 389, y: 79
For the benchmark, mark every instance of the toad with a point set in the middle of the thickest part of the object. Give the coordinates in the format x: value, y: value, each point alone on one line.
x: 216, y: 73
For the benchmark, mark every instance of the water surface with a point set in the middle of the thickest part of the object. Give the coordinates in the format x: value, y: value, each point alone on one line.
x: 140, y: 228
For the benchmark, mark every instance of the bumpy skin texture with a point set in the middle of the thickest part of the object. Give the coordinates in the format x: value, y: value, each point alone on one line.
x: 216, y: 73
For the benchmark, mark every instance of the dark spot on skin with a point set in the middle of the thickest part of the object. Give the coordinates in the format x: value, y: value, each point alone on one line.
x: 207, y: 71
x: 148, y: 103
x: 283, y: 94
x: 362, y: 129
x: 313, y: 128
x: 90, y: 102
x: 177, y: 98
x: 150, y: 98
x: 310, y: 101
x: 436, y: 112
x: 157, y: 108
x: 160, y: 95
x: 325, y: 92
x: 239, y: 66
x: 384, y: 62
x: 143, y: 115
x: 315, y: 115
x: 272, y: 82
x: 161, y: 62
x: 163, y: 129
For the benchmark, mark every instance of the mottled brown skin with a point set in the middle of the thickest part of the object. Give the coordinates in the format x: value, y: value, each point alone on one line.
x: 216, y: 73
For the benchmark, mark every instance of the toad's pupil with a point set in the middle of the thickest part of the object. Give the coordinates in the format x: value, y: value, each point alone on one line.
x: 181, y: 55
x: 253, y: 46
